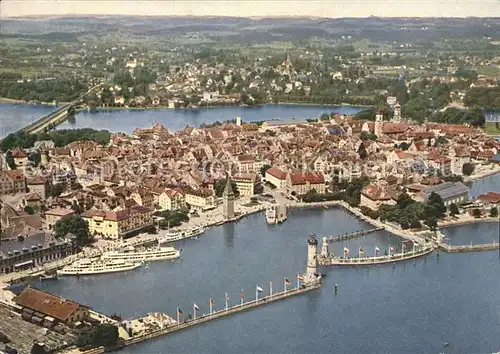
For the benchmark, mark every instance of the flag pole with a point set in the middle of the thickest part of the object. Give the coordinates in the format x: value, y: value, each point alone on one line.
x: 226, y: 302
x: 178, y: 320
x: 256, y: 293
x: 194, y: 311
x: 284, y: 285
x: 211, y: 307
x: 298, y: 281
x: 241, y: 297
x: 270, y: 288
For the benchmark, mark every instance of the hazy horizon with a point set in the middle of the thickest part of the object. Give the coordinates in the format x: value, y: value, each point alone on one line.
x: 255, y: 8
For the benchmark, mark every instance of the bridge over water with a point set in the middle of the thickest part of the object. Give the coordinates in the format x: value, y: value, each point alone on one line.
x: 55, y: 117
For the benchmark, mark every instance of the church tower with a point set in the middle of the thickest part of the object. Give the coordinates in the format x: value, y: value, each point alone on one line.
x: 397, y: 113
x: 228, y: 200
x: 379, y: 123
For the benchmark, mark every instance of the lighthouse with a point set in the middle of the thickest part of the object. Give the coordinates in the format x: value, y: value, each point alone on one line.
x: 312, y: 276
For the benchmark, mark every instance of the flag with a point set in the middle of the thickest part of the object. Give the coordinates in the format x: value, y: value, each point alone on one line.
x: 196, y: 307
x: 287, y: 281
x: 361, y: 250
x: 179, y: 311
x: 259, y: 289
x: 392, y: 249
x: 377, y: 249
x: 346, y: 250
x: 299, y: 277
x: 242, y: 294
x: 212, y: 302
x: 227, y: 297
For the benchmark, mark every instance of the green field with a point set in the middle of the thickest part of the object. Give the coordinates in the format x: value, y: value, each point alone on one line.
x: 492, y: 128
x: 489, y: 70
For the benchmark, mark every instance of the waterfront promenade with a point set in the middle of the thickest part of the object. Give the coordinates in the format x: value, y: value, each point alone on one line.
x: 469, y: 248
x: 352, y: 235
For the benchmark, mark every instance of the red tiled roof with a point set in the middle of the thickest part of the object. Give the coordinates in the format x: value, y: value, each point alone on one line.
x: 15, y: 175
x: 59, y: 212
x: 118, y: 215
x: 276, y: 172
x: 245, y: 158
x: 18, y: 153
x: 491, y: 197
x: 48, y: 304
x: 304, y: 177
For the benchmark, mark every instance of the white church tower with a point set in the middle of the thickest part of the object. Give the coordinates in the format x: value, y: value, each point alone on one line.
x: 397, y: 113
x: 379, y: 123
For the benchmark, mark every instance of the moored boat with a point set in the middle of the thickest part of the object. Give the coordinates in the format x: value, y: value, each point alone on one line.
x: 88, y: 266
x: 134, y: 254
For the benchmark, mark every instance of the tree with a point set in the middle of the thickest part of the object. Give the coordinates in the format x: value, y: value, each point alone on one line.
x: 9, y: 159
x: 453, y: 209
x: 468, y: 168
x: 404, y: 200
x: 476, y: 213
x: 29, y: 210
x: 104, y: 334
x: 220, y: 185
x: 56, y: 190
x: 431, y: 222
x: 362, y: 151
x: 494, y: 212
x: 435, y: 206
x: 75, y: 225
x: 264, y: 168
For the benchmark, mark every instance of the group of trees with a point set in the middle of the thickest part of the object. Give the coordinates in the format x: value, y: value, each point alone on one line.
x: 60, y: 138
x: 483, y: 97
x: 60, y: 89
x: 408, y: 213
x: 172, y: 218
x: 313, y: 196
x: 103, y: 334
x: 73, y: 224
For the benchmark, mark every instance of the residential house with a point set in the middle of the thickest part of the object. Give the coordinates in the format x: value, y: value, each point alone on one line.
x: 39, y: 185
x: 20, y: 157
x: 171, y: 199
x: 12, y: 182
x: 143, y: 197
x: 372, y: 196
x: 200, y: 199
x: 246, y: 182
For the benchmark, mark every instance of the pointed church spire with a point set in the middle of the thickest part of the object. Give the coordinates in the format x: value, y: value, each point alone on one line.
x: 228, y: 189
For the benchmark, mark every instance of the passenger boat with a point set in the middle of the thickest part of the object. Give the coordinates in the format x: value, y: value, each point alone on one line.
x: 87, y: 266
x: 134, y: 254
x: 173, y: 236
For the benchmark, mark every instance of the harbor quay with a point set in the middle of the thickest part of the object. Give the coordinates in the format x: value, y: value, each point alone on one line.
x: 188, y: 323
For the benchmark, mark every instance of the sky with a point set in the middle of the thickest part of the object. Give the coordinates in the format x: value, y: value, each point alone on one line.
x: 255, y: 8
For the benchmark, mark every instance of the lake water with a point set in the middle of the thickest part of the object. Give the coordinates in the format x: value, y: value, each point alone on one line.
x: 15, y: 116
x: 485, y: 185
x: 411, y: 307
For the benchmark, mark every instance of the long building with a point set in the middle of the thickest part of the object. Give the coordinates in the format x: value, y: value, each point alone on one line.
x: 118, y: 224
x: 27, y: 252
x: 450, y: 192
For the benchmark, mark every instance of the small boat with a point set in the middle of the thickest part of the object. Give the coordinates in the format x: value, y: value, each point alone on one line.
x: 49, y: 276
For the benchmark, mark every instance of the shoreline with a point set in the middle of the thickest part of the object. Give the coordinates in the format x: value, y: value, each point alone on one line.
x: 22, y: 102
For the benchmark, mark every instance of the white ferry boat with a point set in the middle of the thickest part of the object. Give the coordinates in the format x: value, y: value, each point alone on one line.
x: 276, y: 214
x: 87, y: 266
x: 133, y: 254
x: 173, y: 236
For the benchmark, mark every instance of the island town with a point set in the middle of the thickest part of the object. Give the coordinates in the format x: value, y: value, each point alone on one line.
x: 114, y: 203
